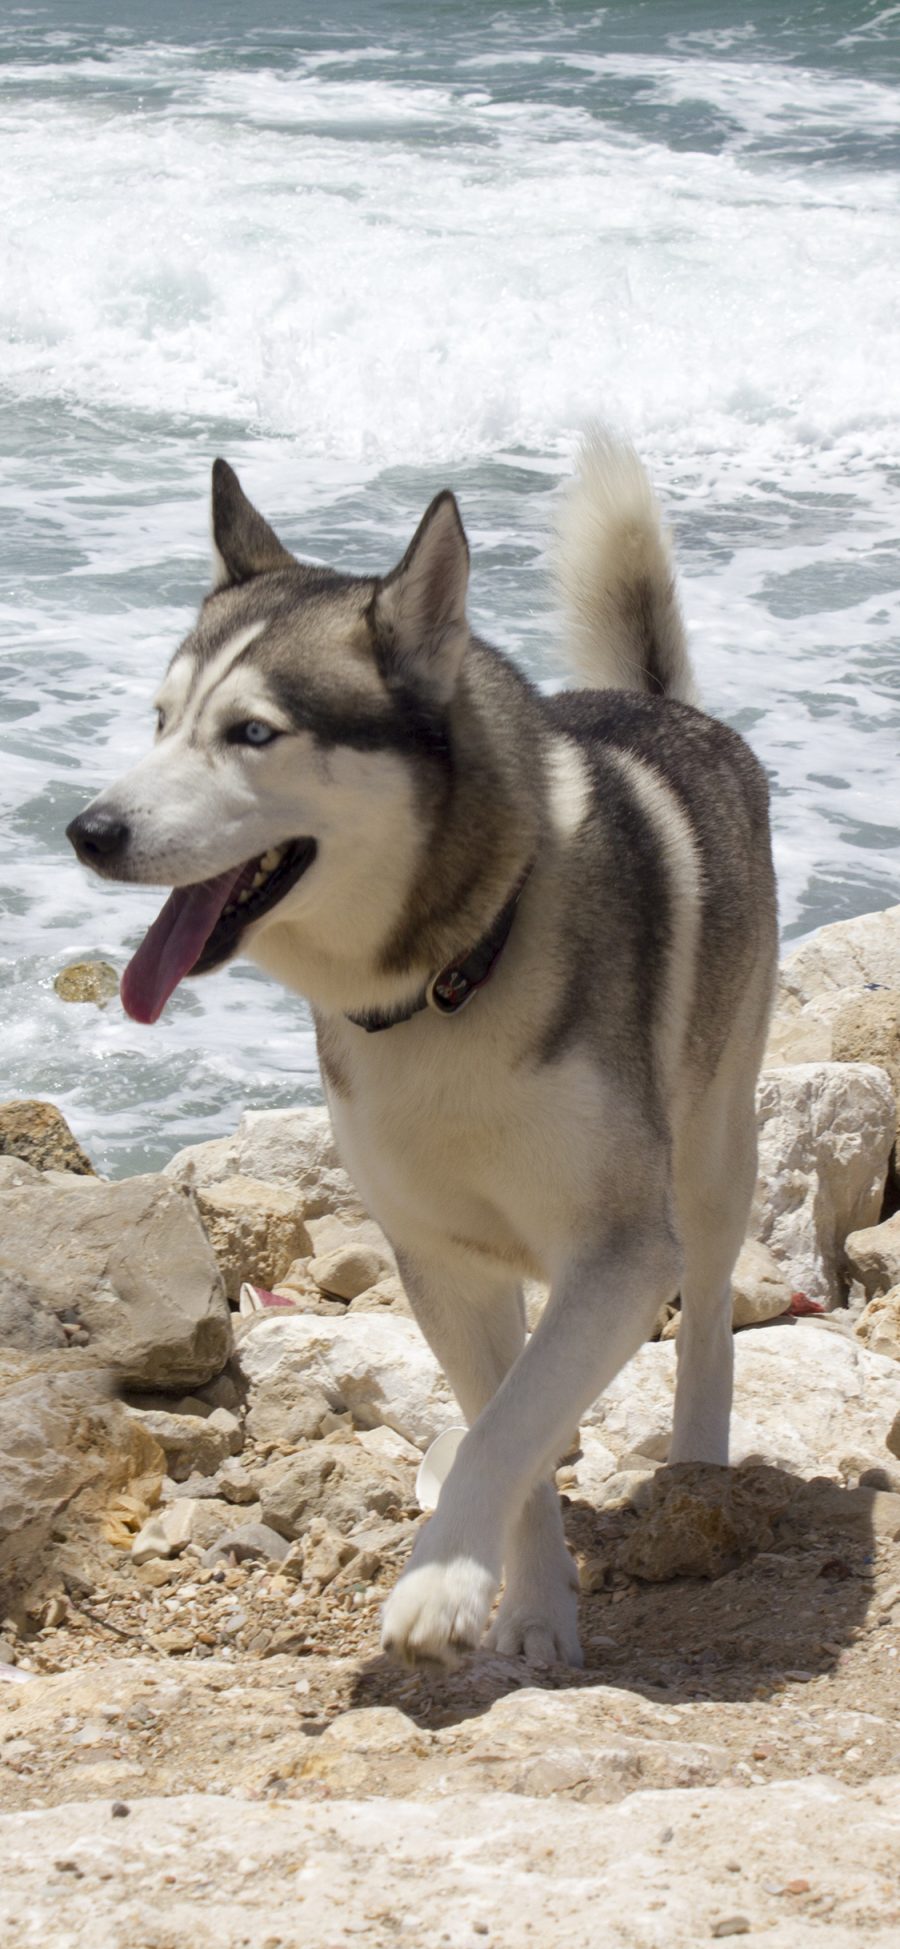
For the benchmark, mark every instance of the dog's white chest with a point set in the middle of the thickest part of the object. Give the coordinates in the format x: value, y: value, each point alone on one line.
x: 451, y: 1137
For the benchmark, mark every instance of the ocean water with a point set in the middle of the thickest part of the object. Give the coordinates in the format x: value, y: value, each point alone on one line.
x: 396, y: 248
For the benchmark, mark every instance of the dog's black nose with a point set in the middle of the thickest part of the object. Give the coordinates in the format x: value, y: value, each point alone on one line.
x: 97, y: 837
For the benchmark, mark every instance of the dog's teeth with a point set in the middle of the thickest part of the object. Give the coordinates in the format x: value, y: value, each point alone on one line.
x: 245, y: 895
x: 270, y: 860
x: 259, y: 879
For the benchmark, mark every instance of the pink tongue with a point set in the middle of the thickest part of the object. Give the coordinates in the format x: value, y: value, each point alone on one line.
x: 172, y: 945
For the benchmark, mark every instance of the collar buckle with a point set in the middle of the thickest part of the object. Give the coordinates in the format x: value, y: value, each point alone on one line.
x: 449, y: 991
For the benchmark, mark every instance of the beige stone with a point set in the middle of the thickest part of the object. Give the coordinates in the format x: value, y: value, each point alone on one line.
x: 867, y: 1029
x: 878, y: 1326
x: 388, y: 1293
x: 38, y: 1133
x: 873, y: 1255
x: 26, y: 1323
x: 330, y: 1229
x: 255, y: 1229
x: 166, y: 1533
x: 759, y: 1290
x: 87, y: 981
x: 702, y: 1522
x: 338, y: 1482
x: 68, y: 1455
x: 349, y: 1270
x: 287, y: 1407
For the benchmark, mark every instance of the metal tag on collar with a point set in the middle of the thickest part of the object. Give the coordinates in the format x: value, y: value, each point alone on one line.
x: 449, y: 991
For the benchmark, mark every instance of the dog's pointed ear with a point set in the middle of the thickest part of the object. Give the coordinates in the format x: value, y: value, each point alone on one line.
x: 243, y: 543
x: 419, y: 610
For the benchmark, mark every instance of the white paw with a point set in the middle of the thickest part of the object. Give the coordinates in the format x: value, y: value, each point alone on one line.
x: 438, y: 1612
x: 540, y: 1626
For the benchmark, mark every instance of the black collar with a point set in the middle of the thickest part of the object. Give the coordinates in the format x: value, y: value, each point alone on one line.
x: 448, y: 991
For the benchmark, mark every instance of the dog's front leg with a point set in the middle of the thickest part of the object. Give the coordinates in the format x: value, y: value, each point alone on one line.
x: 602, y: 1307
x: 473, y: 1319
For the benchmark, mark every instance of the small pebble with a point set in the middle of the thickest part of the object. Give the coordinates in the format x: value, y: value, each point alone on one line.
x: 119, y: 1809
x: 731, y: 1925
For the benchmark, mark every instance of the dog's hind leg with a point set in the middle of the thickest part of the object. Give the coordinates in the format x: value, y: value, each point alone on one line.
x: 715, y: 1173
x: 475, y: 1325
x: 605, y: 1297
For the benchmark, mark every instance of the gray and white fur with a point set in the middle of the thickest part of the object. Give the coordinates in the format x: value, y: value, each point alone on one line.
x: 588, y: 1118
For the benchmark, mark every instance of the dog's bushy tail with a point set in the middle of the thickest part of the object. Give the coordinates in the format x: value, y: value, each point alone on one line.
x: 615, y: 574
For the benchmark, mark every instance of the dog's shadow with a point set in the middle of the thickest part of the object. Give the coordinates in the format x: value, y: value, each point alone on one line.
x: 789, y: 1579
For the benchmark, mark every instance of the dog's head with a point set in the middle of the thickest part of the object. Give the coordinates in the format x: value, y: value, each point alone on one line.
x: 301, y: 750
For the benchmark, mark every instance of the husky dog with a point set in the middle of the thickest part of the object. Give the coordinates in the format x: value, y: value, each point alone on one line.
x: 379, y: 808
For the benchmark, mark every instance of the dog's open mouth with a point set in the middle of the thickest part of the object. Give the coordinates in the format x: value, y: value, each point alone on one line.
x: 200, y: 926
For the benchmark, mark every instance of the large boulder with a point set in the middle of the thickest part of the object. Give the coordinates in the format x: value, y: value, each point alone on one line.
x: 131, y: 1263
x: 807, y: 1397
x: 826, y: 1131
x: 294, y: 1148
x: 675, y: 1865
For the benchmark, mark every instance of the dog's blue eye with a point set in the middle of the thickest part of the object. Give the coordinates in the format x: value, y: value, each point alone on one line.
x: 252, y: 732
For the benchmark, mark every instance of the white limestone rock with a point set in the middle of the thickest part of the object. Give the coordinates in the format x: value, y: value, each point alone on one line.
x: 825, y: 1136
x: 376, y: 1365
x: 806, y: 1398
x: 167, y: 1532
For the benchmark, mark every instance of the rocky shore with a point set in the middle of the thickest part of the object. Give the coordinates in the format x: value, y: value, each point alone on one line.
x: 213, y: 1407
